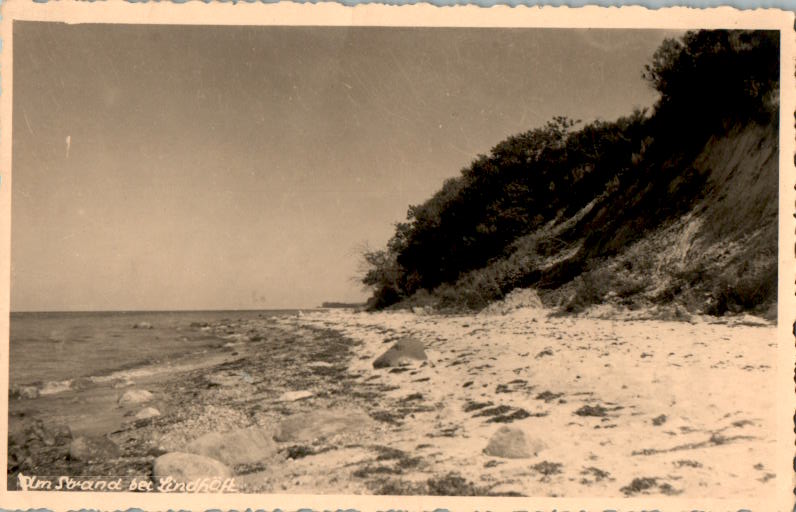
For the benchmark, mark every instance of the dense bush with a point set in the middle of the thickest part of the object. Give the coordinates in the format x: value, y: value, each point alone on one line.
x: 714, y: 78
x: 745, y: 291
x: 486, y: 231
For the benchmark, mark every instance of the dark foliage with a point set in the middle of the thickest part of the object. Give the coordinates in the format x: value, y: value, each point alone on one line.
x: 712, y: 78
x: 484, y: 232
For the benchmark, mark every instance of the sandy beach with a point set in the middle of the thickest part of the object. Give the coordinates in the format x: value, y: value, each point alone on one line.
x: 516, y: 402
x: 616, y: 407
x: 277, y: 258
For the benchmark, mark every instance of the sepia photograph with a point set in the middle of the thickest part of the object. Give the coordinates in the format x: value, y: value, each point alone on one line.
x: 388, y: 260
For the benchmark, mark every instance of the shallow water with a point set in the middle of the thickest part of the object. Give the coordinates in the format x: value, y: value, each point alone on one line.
x: 233, y: 367
x: 50, y: 350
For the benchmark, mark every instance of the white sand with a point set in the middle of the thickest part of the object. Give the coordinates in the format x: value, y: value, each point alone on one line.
x: 713, y: 382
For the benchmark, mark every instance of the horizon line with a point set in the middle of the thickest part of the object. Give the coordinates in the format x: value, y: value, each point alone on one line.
x: 201, y: 310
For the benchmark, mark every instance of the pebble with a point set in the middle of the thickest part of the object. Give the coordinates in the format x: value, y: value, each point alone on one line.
x: 147, y: 413
x: 123, y: 383
x: 292, y: 396
x: 319, y: 364
x: 135, y: 396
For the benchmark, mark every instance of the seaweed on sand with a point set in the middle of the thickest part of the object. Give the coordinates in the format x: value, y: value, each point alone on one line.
x: 640, y: 485
x: 474, y: 406
x: 547, y: 468
x: 450, y: 484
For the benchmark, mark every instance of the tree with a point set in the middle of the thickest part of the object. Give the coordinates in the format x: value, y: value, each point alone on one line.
x: 711, y: 78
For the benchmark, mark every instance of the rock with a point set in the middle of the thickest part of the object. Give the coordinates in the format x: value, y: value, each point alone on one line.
x: 25, y: 392
x: 47, y: 434
x: 156, y: 451
x: 122, y: 383
x: 86, y: 449
x: 61, y: 434
x: 184, y: 467
x: 135, y: 396
x: 319, y: 364
x: 749, y: 320
x: 142, y: 325
x: 227, y: 379
x: 512, y: 443
x: 292, y: 396
x: 147, y: 413
x: 402, y: 352
x: 243, y: 446
x: 306, y: 427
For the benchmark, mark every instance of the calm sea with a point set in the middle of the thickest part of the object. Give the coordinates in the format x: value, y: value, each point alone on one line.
x: 51, y: 349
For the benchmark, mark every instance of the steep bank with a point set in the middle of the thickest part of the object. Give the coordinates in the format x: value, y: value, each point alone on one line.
x: 675, y: 208
x: 716, y: 255
x: 719, y: 256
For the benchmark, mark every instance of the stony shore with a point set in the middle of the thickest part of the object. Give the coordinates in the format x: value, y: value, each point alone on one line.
x: 512, y: 402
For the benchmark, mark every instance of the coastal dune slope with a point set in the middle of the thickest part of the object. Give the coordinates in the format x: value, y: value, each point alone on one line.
x: 719, y: 256
x: 674, y: 208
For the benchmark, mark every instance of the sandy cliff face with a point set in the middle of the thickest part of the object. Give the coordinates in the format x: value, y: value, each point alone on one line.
x: 720, y: 255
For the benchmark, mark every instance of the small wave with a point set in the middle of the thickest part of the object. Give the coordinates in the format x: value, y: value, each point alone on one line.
x: 61, y: 386
x: 124, y: 375
x: 144, y: 371
x: 135, y: 373
x: 53, y: 387
x: 56, y: 337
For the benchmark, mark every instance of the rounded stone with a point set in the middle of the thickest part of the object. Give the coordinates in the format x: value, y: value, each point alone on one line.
x: 184, y: 467
x: 306, y: 427
x: 402, y: 352
x: 243, y: 446
x: 147, y: 413
x: 135, y: 396
x: 292, y: 396
x: 87, y: 449
x: 512, y: 443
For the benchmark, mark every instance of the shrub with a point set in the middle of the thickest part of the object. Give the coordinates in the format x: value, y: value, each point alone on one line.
x: 751, y: 290
x: 590, y: 288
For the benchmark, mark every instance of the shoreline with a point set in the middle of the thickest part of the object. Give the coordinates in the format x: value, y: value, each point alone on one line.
x: 608, y: 406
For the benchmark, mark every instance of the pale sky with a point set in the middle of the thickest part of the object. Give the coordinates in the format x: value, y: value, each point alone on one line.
x: 163, y: 167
